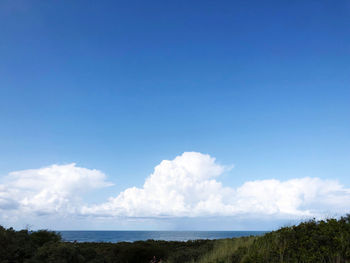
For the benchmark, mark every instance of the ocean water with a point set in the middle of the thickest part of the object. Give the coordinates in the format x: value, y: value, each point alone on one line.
x: 131, y: 236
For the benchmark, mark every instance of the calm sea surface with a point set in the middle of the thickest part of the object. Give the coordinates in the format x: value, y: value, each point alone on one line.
x: 130, y: 236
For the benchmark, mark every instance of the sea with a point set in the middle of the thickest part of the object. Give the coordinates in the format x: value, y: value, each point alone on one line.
x: 131, y: 236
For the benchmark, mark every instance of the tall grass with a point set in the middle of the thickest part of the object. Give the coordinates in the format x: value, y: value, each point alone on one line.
x: 325, y: 241
x: 225, y: 249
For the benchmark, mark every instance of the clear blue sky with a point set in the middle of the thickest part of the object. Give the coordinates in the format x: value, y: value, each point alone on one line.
x: 119, y: 86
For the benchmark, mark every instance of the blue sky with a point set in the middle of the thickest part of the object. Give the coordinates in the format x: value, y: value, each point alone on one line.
x: 119, y: 86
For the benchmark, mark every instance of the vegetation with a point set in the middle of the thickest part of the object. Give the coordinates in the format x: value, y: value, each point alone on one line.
x: 312, y: 241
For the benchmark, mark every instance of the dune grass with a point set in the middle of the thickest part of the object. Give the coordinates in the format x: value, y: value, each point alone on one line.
x: 325, y: 241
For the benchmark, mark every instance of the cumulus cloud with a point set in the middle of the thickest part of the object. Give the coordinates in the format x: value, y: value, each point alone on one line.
x: 181, y: 187
x: 187, y: 186
x: 299, y: 197
x: 52, y: 189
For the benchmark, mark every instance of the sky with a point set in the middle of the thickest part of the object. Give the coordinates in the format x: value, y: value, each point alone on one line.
x: 173, y: 115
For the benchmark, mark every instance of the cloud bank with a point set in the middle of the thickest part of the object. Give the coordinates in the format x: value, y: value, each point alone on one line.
x: 187, y: 186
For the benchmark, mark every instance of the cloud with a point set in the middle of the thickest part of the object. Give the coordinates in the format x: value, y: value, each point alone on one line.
x: 298, y: 197
x: 185, y: 187
x: 181, y: 187
x: 52, y: 189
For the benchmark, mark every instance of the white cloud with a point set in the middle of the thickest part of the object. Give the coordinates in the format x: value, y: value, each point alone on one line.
x: 176, y: 188
x: 53, y: 189
x: 186, y: 186
x: 299, y: 197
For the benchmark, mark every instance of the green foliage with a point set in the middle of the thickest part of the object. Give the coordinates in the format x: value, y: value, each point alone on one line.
x: 20, y: 246
x: 143, y: 251
x: 313, y: 241
x: 58, y: 253
x: 40, y: 237
x: 228, y: 250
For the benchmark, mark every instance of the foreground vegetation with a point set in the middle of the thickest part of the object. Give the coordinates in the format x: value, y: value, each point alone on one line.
x: 312, y: 241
